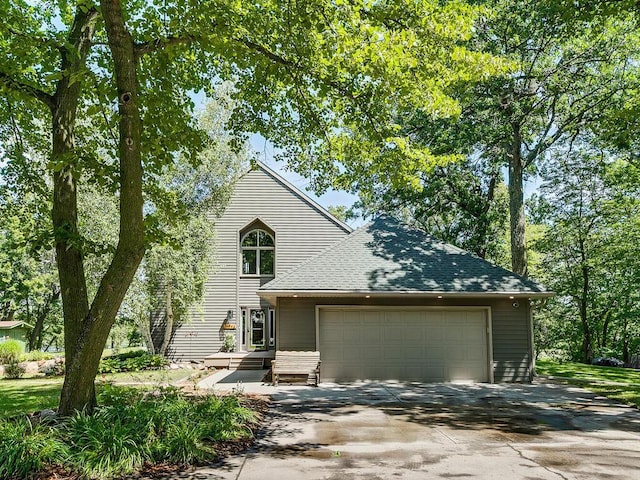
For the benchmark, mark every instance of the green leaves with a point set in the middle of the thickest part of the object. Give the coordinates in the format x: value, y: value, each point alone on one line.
x: 590, y: 251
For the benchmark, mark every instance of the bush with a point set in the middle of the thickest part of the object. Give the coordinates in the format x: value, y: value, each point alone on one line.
x: 14, y: 370
x: 134, y: 361
x: 107, y: 444
x: 36, y: 356
x: 10, y: 351
x: 131, y: 428
x: 226, y: 418
x: 26, y: 449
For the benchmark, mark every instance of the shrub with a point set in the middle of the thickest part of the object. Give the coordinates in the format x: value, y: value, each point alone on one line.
x: 134, y: 361
x: 225, y: 418
x: 36, y: 356
x: 183, y: 444
x: 131, y: 428
x: 10, y: 351
x: 14, y: 370
x: 26, y: 449
x: 106, y: 444
x: 229, y: 342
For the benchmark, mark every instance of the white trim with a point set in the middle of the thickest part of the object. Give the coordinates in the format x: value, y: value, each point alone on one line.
x: 318, y: 327
x: 486, y: 309
x: 258, y: 248
x: 255, y: 220
x: 489, y: 319
x: 303, y: 196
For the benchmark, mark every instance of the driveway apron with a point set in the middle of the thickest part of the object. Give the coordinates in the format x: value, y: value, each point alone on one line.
x: 424, y: 431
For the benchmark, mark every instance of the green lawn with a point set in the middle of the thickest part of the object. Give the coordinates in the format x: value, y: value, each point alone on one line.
x: 621, y: 384
x: 32, y: 394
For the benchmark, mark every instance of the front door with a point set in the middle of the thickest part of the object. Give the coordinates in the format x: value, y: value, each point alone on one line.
x: 257, y: 329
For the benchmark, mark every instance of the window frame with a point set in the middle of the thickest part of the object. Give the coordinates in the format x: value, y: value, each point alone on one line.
x: 257, y: 249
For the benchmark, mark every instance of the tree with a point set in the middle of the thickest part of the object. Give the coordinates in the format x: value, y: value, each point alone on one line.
x: 29, y: 289
x: 565, y: 75
x: 463, y: 203
x: 342, y: 212
x: 562, y: 77
x: 589, y: 256
x: 173, y: 274
x: 310, y: 76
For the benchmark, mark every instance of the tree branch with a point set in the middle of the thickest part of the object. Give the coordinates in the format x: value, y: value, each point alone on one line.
x: 17, y: 86
x: 157, y: 44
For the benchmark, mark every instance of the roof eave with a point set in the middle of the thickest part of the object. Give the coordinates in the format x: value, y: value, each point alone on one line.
x: 415, y: 294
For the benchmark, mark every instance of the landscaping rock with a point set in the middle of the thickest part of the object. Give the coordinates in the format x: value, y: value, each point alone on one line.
x: 53, y: 367
x: 30, y: 367
x: 46, y: 365
x: 607, y: 362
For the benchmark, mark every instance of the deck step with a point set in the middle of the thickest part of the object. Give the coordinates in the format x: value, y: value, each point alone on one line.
x: 246, y: 363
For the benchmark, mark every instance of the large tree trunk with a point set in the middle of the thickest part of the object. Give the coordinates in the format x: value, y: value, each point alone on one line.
x: 516, y: 206
x: 65, y: 211
x: 78, y: 391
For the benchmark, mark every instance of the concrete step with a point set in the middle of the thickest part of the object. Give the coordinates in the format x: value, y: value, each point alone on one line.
x: 248, y: 363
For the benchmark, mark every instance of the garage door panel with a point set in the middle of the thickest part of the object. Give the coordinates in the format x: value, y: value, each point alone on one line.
x: 403, y: 344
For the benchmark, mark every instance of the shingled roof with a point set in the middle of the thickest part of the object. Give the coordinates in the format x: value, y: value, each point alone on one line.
x: 387, y: 256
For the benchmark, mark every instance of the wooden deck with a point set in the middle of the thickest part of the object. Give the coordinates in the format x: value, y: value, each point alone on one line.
x: 240, y: 360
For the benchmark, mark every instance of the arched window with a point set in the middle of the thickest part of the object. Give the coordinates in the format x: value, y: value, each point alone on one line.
x: 258, y: 250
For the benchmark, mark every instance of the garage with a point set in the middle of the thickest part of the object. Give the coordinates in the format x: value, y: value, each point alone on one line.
x: 404, y: 343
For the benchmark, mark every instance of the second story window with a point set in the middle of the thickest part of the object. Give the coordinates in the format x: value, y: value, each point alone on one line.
x: 257, y: 253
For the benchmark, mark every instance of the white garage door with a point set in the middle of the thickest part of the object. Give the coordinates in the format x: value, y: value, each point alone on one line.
x: 403, y: 344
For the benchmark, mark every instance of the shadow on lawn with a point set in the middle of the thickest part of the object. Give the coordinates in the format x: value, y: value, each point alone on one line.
x: 27, y: 396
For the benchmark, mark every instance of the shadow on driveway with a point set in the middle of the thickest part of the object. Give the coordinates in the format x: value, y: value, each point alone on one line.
x: 526, y: 410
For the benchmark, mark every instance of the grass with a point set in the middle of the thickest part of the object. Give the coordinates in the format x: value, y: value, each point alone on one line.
x: 28, y: 395
x: 622, y: 384
x: 33, y: 394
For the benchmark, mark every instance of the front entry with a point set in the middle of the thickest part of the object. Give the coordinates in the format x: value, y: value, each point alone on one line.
x: 257, y: 330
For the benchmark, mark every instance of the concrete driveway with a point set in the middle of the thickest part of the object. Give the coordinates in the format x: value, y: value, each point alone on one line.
x: 424, y: 431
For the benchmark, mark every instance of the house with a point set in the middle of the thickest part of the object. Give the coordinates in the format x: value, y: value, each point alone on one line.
x: 14, y: 330
x: 383, y: 302
x: 268, y: 228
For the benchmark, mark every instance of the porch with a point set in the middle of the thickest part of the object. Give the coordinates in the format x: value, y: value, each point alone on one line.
x: 240, y: 360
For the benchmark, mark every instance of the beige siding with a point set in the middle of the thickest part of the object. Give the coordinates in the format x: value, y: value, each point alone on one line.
x: 510, y: 328
x: 301, y: 231
x: 404, y: 343
x: 511, y: 342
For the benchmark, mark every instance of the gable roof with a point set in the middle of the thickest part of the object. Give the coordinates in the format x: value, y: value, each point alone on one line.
x: 389, y: 257
x: 8, y: 325
x: 301, y: 195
